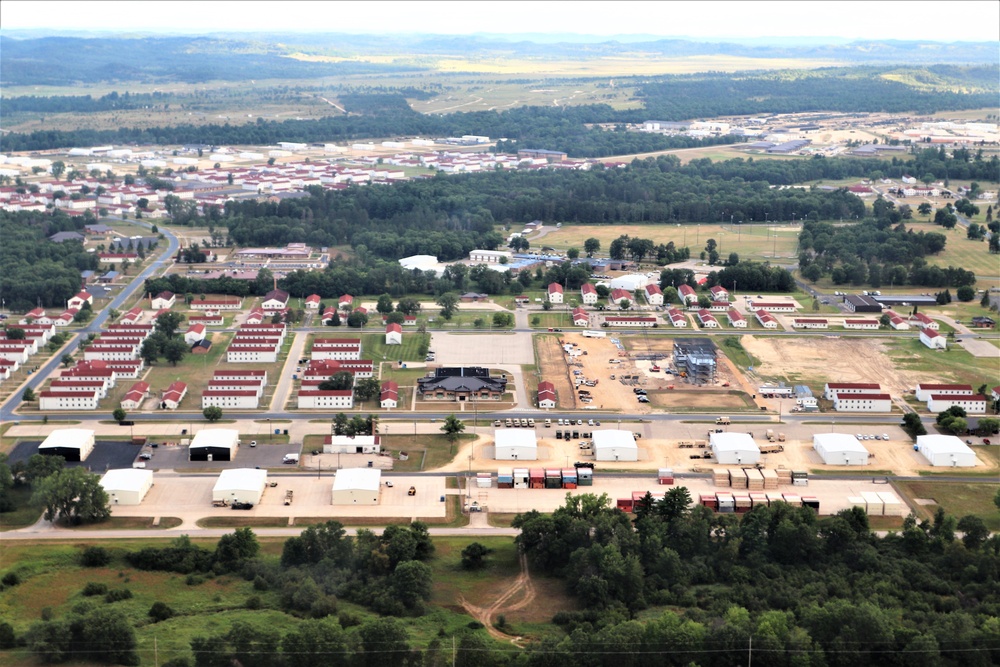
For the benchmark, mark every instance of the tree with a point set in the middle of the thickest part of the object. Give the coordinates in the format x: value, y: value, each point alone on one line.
x: 395, y: 317
x: 72, y: 494
x: 212, y: 413
x: 384, y: 305
x: 925, y: 209
x: 965, y: 293
x: 174, y: 350
x: 67, y: 360
x: 58, y: 168
x: 452, y: 427
x: 884, y: 321
x: 591, y: 246
x: 975, y: 531
x: 408, y: 306
x: 119, y: 414
x: 733, y: 260
x: 367, y: 389
x: 29, y: 395
x: 150, y: 350
x: 15, y: 333
x: 339, y: 381
x: 449, y: 304
x: 236, y: 548
x: 168, y: 323
x: 501, y: 320
x: 384, y: 643
x: 315, y: 643
x: 357, y: 319
x: 474, y: 556
x: 573, y: 253
x: 335, y: 319
x: 913, y: 424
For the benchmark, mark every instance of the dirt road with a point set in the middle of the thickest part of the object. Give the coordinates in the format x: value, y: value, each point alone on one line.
x: 521, y: 590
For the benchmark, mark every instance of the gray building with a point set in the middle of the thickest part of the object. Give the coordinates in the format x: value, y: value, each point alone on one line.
x: 859, y: 303
x: 906, y: 300
x: 696, y: 359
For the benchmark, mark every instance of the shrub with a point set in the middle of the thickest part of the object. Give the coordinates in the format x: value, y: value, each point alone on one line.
x: 194, y: 580
x: 179, y: 662
x: 118, y: 594
x: 94, y: 588
x: 7, y: 637
x: 325, y: 606
x: 254, y: 602
x: 348, y: 619
x: 95, y: 557
x: 11, y: 579
x: 160, y: 611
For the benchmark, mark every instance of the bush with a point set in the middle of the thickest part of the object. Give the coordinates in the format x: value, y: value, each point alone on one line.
x: 260, y: 583
x: 94, y: 588
x: 194, y: 580
x: 7, y: 637
x: 160, y: 611
x: 118, y: 594
x: 95, y: 557
x: 179, y: 662
x: 325, y: 606
x: 11, y: 579
x: 348, y: 619
x: 254, y: 602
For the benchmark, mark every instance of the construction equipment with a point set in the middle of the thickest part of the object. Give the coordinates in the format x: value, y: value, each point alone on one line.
x: 288, y: 497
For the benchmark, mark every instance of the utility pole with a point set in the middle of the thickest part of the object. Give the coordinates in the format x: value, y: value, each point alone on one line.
x: 156, y: 654
x: 750, y: 651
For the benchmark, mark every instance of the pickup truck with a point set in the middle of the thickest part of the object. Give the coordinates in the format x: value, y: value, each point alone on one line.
x: 288, y: 497
x: 412, y: 491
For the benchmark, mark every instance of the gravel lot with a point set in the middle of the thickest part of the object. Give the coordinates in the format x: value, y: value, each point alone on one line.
x: 482, y: 349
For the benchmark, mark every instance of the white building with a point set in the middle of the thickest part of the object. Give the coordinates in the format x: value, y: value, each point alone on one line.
x: 336, y: 348
x: 972, y: 404
x: 840, y: 449
x: 230, y: 399
x: 933, y: 339
x: 393, y: 334
x: 515, y: 445
x: 925, y: 390
x: 629, y: 282
x: 318, y: 399
x: 127, y: 486
x: 861, y: 324
x: 73, y: 444
x: 810, y: 323
x: 677, y: 318
x: 946, y: 451
x: 734, y: 448
x: 214, y: 444
x: 245, y: 485
x: 765, y: 319
x: 831, y: 389
x: 706, y: 320
x: 352, y: 444
x: 736, y: 319
x: 488, y: 256
x: 163, y: 300
x: 654, y: 295
x: 862, y: 403
x: 194, y: 334
x: 68, y: 400
x: 357, y: 486
x: 615, y: 445
x: 555, y: 291
x: 251, y: 355
x: 588, y: 294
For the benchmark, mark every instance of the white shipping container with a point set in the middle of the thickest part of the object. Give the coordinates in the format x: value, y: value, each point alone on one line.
x: 874, y: 504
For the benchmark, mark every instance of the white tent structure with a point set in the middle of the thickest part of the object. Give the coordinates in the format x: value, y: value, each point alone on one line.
x: 357, y: 486
x: 127, y: 486
x: 630, y: 282
x: 73, y: 444
x: 515, y: 445
x: 946, y: 450
x: 245, y: 485
x: 615, y: 445
x: 214, y: 444
x: 840, y: 449
x: 734, y: 448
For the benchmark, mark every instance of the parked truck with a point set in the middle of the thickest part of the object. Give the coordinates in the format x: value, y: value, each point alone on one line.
x: 722, y: 420
x: 770, y: 435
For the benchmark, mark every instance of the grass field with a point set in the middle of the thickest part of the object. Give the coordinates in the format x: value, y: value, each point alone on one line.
x: 961, y: 252
x: 957, y: 499
x: 373, y: 347
x: 425, y: 452
x: 551, y: 319
x: 757, y: 241
x: 954, y: 365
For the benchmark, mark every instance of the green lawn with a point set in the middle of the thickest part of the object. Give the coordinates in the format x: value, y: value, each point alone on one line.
x: 425, y: 452
x: 25, y: 514
x: 373, y: 346
x: 953, y: 365
x: 961, y: 252
x: 957, y: 499
x: 552, y: 319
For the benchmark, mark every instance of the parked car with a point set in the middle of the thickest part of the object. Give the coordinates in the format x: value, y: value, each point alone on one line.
x: 388, y: 483
x: 253, y: 443
x: 242, y: 506
x: 643, y: 399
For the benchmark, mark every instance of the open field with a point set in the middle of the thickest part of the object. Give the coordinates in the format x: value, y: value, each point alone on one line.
x: 373, y: 346
x: 756, y: 241
x: 957, y: 499
x: 961, y: 252
x: 912, y: 358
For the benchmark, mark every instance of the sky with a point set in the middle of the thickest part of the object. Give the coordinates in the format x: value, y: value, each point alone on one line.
x: 974, y: 20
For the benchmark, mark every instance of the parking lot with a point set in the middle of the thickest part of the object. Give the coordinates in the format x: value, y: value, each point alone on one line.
x: 482, y: 350
x: 175, y: 457
x: 107, y: 454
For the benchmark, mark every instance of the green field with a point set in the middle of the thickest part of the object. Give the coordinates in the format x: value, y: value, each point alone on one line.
x: 758, y: 242
x: 957, y: 499
x: 373, y: 346
x: 954, y: 364
x: 961, y: 252
x: 425, y: 452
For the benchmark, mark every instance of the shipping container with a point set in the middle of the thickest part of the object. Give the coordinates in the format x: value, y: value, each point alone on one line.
x: 720, y: 477
x: 585, y: 477
x: 891, y: 505
x: 742, y: 501
x: 758, y: 499
x: 775, y: 498
x: 520, y: 478
x: 793, y: 499
x: 873, y: 504
x: 665, y: 476
x: 811, y: 501
x: 737, y: 478
x: 553, y: 479
x: 770, y: 478
x: 536, y: 478
x: 710, y: 501
x: 726, y: 502
x: 625, y: 504
x: 569, y: 478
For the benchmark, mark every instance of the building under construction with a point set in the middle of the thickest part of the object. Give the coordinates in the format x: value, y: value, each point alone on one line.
x: 694, y: 359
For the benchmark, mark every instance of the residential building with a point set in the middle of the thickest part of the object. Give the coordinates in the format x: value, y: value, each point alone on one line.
x: 546, y: 395
x: 461, y: 384
x: 173, y: 396
x: 677, y: 318
x: 687, y: 294
x: 933, y: 339
x: 654, y: 295
x: 773, y: 306
x: 313, y: 301
x: 336, y: 348
x: 163, y: 300
x: 588, y: 294
x: 393, y: 334
x: 580, y: 317
x: 719, y: 293
x: 389, y: 395
x: 325, y: 399
x: 68, y: 400
x: 765, y: 319
x: 861, y: 324
x: 275, y: 302
x: 833, y: 388
x: 555, y: 292
x: 194, y: 334
x: 810, y: 323
x: 924, y: 322
x: 973, y: 404
x: 851, y: 402
x: 629, y: 321
x: 707, y: 320
x: 135, y: 396
x: 925, y: 390
x: 229, y: 399
x: 736, y: 319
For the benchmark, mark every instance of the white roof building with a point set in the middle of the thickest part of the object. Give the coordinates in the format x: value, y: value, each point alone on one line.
x: 218, y: 443
x: 127, y: 486
x: 73, y: 444
x: 245, y: 485
x: 615, y: 445
x: 421, y: 262
x: 352, y: 444
x: 840, y: 449
x: 515, y: 445
x: 946, y: 450
x: 357, y: 486
x: 630, y: 282
x: 734, y: 448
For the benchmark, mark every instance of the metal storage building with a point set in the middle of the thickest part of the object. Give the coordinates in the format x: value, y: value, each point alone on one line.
x: 615, y: 445
x: 515, y: 445
x: 127, y: 486
x: 357, y: 486
x: 73, y: 444
x: 840, y: 449
x: 245, y: 485
x: 734, y: 448
x: 215, y: 444
x: 946, y: 450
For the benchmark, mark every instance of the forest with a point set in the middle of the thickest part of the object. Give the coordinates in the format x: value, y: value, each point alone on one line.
x: 675, y: 97
x: 34, y: 271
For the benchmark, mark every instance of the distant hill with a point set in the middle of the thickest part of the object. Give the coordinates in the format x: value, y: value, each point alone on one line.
x: 62, y: 60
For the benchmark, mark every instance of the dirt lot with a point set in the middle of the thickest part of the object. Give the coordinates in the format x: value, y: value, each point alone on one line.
x: 551, y: 361
x: 816, y: 361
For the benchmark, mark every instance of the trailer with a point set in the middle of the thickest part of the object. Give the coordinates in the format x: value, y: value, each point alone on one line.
x: 590, y: 333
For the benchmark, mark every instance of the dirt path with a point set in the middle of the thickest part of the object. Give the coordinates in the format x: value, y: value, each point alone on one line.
x: 521, y: 586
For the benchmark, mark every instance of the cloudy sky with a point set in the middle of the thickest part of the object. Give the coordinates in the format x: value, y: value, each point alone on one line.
x: 941, y: 21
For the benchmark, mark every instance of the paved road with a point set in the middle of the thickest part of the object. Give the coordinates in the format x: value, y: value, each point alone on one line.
x: 94, y: 326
